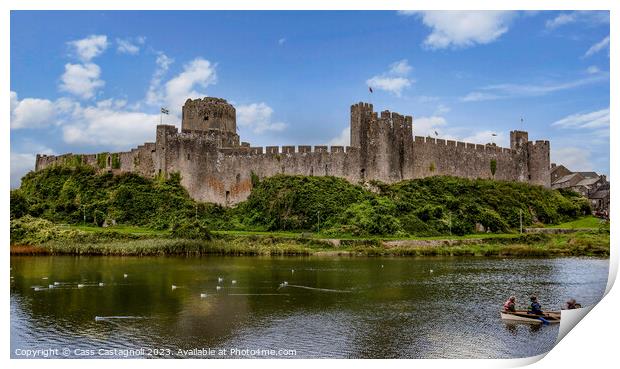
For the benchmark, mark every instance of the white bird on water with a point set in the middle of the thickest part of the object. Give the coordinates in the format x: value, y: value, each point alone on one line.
x: 292, y: 271
x: 44, y: 278
x: 56, y: 283
x: 101, y: 284
x: 203, y: 295
x: 80, y: 285
x: 124, y: 275
x: 50, y: 286
x: 218, y: 288
x: 234, y: 281
x: 431, y: 270
x: 174, y: 287
x: 220, y: 279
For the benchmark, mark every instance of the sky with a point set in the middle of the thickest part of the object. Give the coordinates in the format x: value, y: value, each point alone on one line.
x: 94, y: 81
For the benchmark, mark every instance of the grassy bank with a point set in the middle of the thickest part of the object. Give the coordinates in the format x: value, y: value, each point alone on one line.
x: 42, y: 237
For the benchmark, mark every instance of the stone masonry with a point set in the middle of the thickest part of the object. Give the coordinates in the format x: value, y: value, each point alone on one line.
x: 216, y: 167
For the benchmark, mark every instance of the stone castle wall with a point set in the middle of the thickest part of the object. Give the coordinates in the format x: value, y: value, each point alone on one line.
x: 214, y: 167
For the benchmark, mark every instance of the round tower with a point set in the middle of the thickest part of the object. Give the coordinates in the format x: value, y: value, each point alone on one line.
x: 208, y: 114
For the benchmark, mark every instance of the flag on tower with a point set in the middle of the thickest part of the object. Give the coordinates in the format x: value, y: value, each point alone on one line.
x: 370, y: 89
x: 165, y: 111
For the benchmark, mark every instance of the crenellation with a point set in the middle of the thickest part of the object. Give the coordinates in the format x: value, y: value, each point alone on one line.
x: 215, y: 166
x: 288, y: 149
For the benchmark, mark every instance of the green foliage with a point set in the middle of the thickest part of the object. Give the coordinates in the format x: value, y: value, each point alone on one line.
x: 102, y: 159
x: 430, y: 206
x: 116, y: 161
x: 191, y: 230
x: 255, y: 180
x: 298, y: 202
x: 493, y: 166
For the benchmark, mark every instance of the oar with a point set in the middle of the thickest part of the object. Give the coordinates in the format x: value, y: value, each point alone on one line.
x: 545, y: 321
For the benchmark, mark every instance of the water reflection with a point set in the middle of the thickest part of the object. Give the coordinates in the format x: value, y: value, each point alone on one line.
x: 331, y: 307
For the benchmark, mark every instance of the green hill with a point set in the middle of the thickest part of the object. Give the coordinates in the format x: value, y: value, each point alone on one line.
x: 425, y: 207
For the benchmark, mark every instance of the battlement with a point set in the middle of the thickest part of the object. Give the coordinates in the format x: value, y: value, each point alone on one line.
x: 490, y: 148
x: 288, y: 150
x: 209, y: 113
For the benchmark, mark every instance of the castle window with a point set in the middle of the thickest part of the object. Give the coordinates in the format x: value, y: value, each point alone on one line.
x: 311, y: 171
x: 238, y: 178
x: 227, y: 197
x: 206, y: 117
x: 109, y: 161
x: 283, y: 169
x: 188, y: 156
x: 325, y: 169
x: 363, y: 173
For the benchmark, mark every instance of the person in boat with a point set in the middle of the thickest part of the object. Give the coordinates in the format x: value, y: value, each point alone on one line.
x: 509, y: 305
x: 535, y: 307
x: 572, y: 304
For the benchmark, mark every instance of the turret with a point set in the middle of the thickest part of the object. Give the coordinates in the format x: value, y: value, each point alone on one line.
x: 207, y: 114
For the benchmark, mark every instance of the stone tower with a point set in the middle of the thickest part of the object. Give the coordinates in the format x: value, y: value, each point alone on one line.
x: 213, y: 116
x: 385, y: 143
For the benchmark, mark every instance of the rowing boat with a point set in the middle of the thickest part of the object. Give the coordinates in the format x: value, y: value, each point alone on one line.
x: 523, y: 316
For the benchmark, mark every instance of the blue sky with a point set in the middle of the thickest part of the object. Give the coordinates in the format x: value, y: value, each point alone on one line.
x: 86, y: 82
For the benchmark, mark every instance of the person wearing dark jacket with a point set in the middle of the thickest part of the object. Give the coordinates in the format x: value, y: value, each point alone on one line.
x: 535, y: 307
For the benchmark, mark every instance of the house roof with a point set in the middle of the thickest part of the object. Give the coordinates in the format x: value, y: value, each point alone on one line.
x: 600, y: 194
x: 587, y: 182
x: 589, y: 174
x: 566, y: 178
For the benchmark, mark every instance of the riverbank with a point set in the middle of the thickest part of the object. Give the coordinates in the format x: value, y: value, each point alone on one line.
x: 504, y: 245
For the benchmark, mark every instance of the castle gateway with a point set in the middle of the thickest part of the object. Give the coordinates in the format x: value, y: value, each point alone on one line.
x: 216, y: 167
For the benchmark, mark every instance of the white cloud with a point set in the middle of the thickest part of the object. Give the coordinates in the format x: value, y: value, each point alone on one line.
x: 343, y: 139
x: 81, y: 80
x: 510, y: 90
x: 197, y: 73
x: 281, y: 41
x: 400, y: 68
x: 257, y: 117
x: 460, y: 29
x: 604, y: 43
x: 590, y: 18
x: 427, y: 126
x: 31, y: 113
x: 593, y: 69
x: 90, y: 47
x: 22, y: 163
x: 592, y: 120
x: 562, y: 19
x: 154, y: 94
x: 395, y: 80
x: 575, y: 158
x: 487, y: 136
x: 129, y: 45
x: 442, y: 109
x: 108, y: 124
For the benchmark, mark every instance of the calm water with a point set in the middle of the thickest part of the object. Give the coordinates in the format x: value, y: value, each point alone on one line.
x: 331, y: 307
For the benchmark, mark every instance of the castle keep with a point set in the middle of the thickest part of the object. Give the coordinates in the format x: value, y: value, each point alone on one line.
x: 216, y: 167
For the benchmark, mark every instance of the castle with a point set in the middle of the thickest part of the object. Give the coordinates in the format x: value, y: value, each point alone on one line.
x: 216, y: 167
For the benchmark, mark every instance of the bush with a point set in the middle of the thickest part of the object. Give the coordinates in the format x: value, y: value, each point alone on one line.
x: 190, y: 230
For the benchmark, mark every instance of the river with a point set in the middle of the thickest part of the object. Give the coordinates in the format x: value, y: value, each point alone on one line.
x: 329, y: 307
